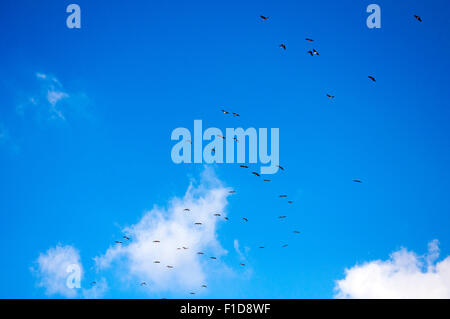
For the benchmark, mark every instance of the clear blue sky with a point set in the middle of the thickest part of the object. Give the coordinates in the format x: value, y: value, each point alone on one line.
x: 143, y: 68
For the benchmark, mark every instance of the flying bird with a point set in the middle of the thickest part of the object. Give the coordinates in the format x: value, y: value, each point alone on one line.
x: 93, y: 283
x: 372, y: 78
x: 283, y: 46
x: 267, y: 180
x: 284, y: 246
x: 226, y: 218
x: 282, y: 217
x: 185, y: 248
x: 126, y: 237
x: 245, y: 219
x: 225, y: 112
x: 283, y: 196
x: 198, y: 223
x: 213, y: 150
x: 213, y: 257
x: 204, y: 286
x: 296, y: 232
x: 232, y: 192
x: 357, y: 181
x: 143, y: 283
x: 280, y: 167
x: 330, y: 96
x: 156, y: 241
x: 170, y: 267
x: 217, y: 215
x: 261, y: 247
x: 187, y: 210
x: 315, y: 52
x: 222, y: 137
x: 242, y: 264
x: 235, y: 138
x: 290, y: 202
x: 311, y: 53
x: 244, y: 166
x: 200, y: 253
x: 309, y: 40
x: 256, y: 174
x: 156, y: 262
x: 235, y: 114
x: 264, y: 17
x: 118, y: 242
x: 192, y: 293
x: 418, y: 18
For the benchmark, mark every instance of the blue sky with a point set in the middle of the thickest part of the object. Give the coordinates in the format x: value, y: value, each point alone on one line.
x: 136, y: 71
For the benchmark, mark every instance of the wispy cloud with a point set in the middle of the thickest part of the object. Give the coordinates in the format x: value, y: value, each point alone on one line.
x: 52, y: 101
x: 174, y: 228
x: 404, y: 276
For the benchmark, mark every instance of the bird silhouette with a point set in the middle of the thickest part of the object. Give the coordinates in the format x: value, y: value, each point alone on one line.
x: 372, y: 78
x: 418, y: 18
x: 283, y: 46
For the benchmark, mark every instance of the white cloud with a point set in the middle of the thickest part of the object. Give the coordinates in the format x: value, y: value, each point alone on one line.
x: 174, y: 228
x: 51, y: 270
x: 53, y: 101
x: 404, y: 276
x: 96, y: 291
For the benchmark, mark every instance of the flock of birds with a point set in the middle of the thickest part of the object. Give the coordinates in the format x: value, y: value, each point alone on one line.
x: 283, y: 46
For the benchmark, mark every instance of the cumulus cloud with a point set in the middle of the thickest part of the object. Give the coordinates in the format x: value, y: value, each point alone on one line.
x: 53, y: 269
x: 56, y: 272
x: 405, y: 275
x: 175, y: 228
